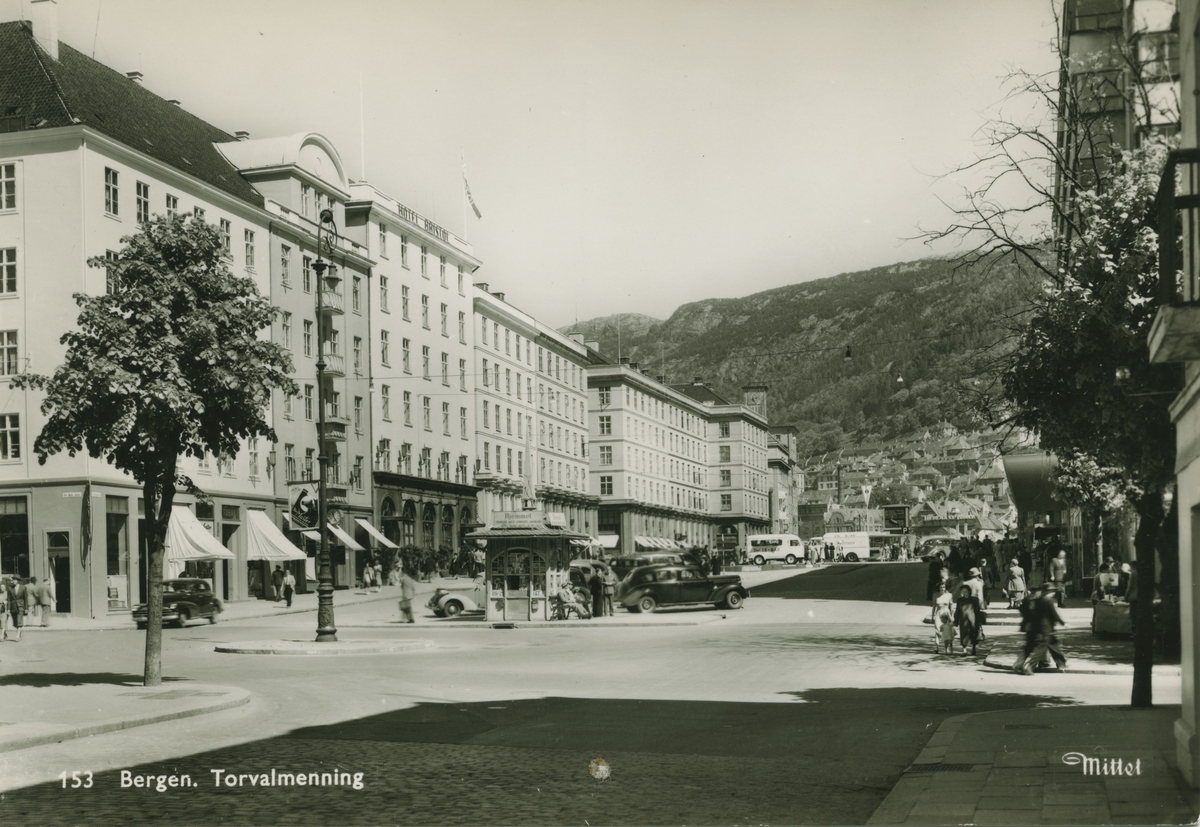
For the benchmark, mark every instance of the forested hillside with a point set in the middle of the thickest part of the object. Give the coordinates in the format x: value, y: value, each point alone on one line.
x: 932, y: 325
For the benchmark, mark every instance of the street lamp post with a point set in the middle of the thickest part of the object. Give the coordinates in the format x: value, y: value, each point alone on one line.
x: 326, y: 631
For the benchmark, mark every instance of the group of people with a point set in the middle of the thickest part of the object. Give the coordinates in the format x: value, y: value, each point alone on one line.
x: 22, y: 598
x: 959, y: 610
x: 284, y: 583
x: 594, y: 597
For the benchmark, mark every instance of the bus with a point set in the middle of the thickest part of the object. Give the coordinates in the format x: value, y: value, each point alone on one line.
x: 864, y: 545
x: 779, y: 548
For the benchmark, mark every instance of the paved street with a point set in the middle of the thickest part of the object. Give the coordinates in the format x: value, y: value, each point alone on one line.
x: 788, y: 711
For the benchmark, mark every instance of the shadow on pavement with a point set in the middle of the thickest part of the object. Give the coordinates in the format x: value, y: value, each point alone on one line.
x: 830, y: 759
x: 891, y: 583
x: 74, y: 679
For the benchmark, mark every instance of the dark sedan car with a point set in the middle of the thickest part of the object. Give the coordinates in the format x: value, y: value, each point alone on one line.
x: 184, y: 598
x: 649, y: 587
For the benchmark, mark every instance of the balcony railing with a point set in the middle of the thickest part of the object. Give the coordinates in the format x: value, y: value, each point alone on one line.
x: 1175, y: 334
x: 333, y: 302
x: 335, y: 364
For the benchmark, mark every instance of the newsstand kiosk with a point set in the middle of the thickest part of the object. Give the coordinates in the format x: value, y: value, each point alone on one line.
x: 528, y: 560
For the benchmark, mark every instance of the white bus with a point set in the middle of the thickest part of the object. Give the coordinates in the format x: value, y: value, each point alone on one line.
x: 780, y: 548
x: 863, y: 545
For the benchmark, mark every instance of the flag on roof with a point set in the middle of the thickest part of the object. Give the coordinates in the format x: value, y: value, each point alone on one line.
x: 467, y: 186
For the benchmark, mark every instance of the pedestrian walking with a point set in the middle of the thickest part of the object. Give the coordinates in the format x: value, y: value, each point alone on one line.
x: 943, y: 621
x: 377, y: 576
x: 277, y: 582
x: 408, y: 590
x: 1014, y: 584
x: 18, y: 606
x: 610, y: 590
x: 1040, y: 620
x: 936, y: 566
x: 6, y: 595
x: 596, y: 587
x: 968, y: 614
x: 45, y: 600
x: 366, y: 575
x: 1057, y: 576
x: 289, y: 587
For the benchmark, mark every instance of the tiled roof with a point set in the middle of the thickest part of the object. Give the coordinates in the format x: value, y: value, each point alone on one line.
x: 701, y: 393
x: 78, y: 90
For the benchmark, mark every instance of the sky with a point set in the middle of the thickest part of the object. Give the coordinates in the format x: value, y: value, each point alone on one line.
x: 625, y: 156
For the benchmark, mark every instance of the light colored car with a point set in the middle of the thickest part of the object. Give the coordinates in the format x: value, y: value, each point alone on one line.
x: 470, y: 597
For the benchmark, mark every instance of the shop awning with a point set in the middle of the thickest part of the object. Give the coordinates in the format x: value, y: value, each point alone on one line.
x: 187, y: 540
x: 374, y: 532
x: 315, y: 536
x: 609, y: 540
x: 583, y: 543
x: 266, y: 542
x: 346, y: 539
x: 654, y: 542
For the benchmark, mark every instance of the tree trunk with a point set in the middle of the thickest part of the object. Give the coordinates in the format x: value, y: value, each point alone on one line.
x: 158, y: 514
x: 1150, y: 516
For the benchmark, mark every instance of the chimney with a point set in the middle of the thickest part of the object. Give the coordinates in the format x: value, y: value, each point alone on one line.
x: 661, y: 378
x: 482, y: 286
x: 697, y: 380
x: 635, y: 366
x: 136, y: 77
x: 498, y: 295
x: 593, y: 346
x: 242, y: 135
x: 645, y: 371
x: 577, y: 337
x: 624, y: 360
x: 44, y: 16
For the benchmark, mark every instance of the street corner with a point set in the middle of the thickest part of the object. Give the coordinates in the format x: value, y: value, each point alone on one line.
x: 79, y: 706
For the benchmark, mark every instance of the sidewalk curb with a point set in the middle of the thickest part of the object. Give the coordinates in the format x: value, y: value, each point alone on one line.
x: 1160, y: 671
x: 484, y: 625
x: 55, y: 734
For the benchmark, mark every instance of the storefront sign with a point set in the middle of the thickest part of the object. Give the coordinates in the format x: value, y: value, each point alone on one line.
x: 519, y: 519
x: 302, y: 505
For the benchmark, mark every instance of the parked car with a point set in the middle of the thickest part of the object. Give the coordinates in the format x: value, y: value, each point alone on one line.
x: 624, y: 565
x: 470, y: 597
x: 589, y: 567
x: 670, y: 584
x: 779, y: 548
x: 184, y: 598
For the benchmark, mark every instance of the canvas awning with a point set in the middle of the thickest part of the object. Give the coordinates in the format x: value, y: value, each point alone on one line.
x: 188, y: 540
x: 653, y: 542
x: 1030, y: 481
x: 348, y: 541
x: 609, y: 540
x: 266, y: 542
x: 315, y: 536
x: 376, y: 533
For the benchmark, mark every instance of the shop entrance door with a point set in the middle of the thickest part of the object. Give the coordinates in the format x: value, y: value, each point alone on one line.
x: 58, y: 548
x: 517, y: 570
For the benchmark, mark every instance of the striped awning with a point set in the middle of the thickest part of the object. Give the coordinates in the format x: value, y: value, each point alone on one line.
x: 376, y: 533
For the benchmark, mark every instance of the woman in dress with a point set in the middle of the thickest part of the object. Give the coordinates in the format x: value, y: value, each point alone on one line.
x: 1014, y: 585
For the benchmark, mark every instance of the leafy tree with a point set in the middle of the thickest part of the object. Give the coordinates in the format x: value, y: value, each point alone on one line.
x: 893, y: 493
x: 1057, y: 195
x: 168, y: 363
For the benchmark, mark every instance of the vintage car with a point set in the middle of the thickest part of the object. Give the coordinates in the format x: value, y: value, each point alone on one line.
x: 470, y: 597
x: 589, y: 567
x: 624, y: 565
x: 669, y: 584
x: 184, y: 598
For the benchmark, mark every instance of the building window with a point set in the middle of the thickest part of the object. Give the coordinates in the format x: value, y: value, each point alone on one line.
x: 285, y: 264
x: 407, y: 408
x: 507, y: 382
x: 462, y: 374
x: 306, y: 274
x: 306, y: 201
x: 605, y: 425
x: 425, y: 312
x: 446, y: 369
x: 358, y: 473
x: 289, y: 462
x: 446, y: 419
x: 385, y: 401
x: 483, y: 333
x: 10, y: 436
x: 462, y: 422
x: 287, y: 405
x: 507, y: 341
x: 724, y: 453
x: 358, y: 405
x: 425, y: 411
x: 383, y: 294
x: 383, y: 455
x: 606, y: 486
x: 142, y: 202
x: 727, y: 502
x: 309, y: 456
x: 172, y: 205
x: 508, y: 420
x: 460, y: 281
x: 383, y: 240
x: 8, y: 188
x: 226, y: 236
x: 723, y: 429
x: 424, y: 255
x: 356, y: 294
x: 248, y: 237
x: 404, y: 250
x: 486, y: 418
x: 486, y: 374
x: 445, y: 320
x: 606, y: 455
x: 508, y: 457
x: 384, y: 348
x: 111, y: 192
x: 404, y: 302
x: 425, y: 362
x: 487, y: 456
x: 8, y: 353
x: 198, y: 214
x: 308, y: 402
x: 605, y: 394
x: 112, y: 280
x: 285, y: 325
x: 443, y: 271
x: 357, y: 353
x: 726, y: 478
x: 405, y: 348
x: 308, y: 337
x: 462, y: 327
x: 252, y: 450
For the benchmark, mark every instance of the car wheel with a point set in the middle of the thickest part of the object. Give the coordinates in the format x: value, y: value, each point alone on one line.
x: 791, y: 560
x: 634, y: 609
x: 759, y: 560
x: 452, y: 608
x: 647, y: 603
x: 184, y: 617
x: 851, y: 557
x: 733, y: 600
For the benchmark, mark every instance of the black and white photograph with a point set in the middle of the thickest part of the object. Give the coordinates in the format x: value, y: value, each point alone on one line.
x: 599, y: 412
